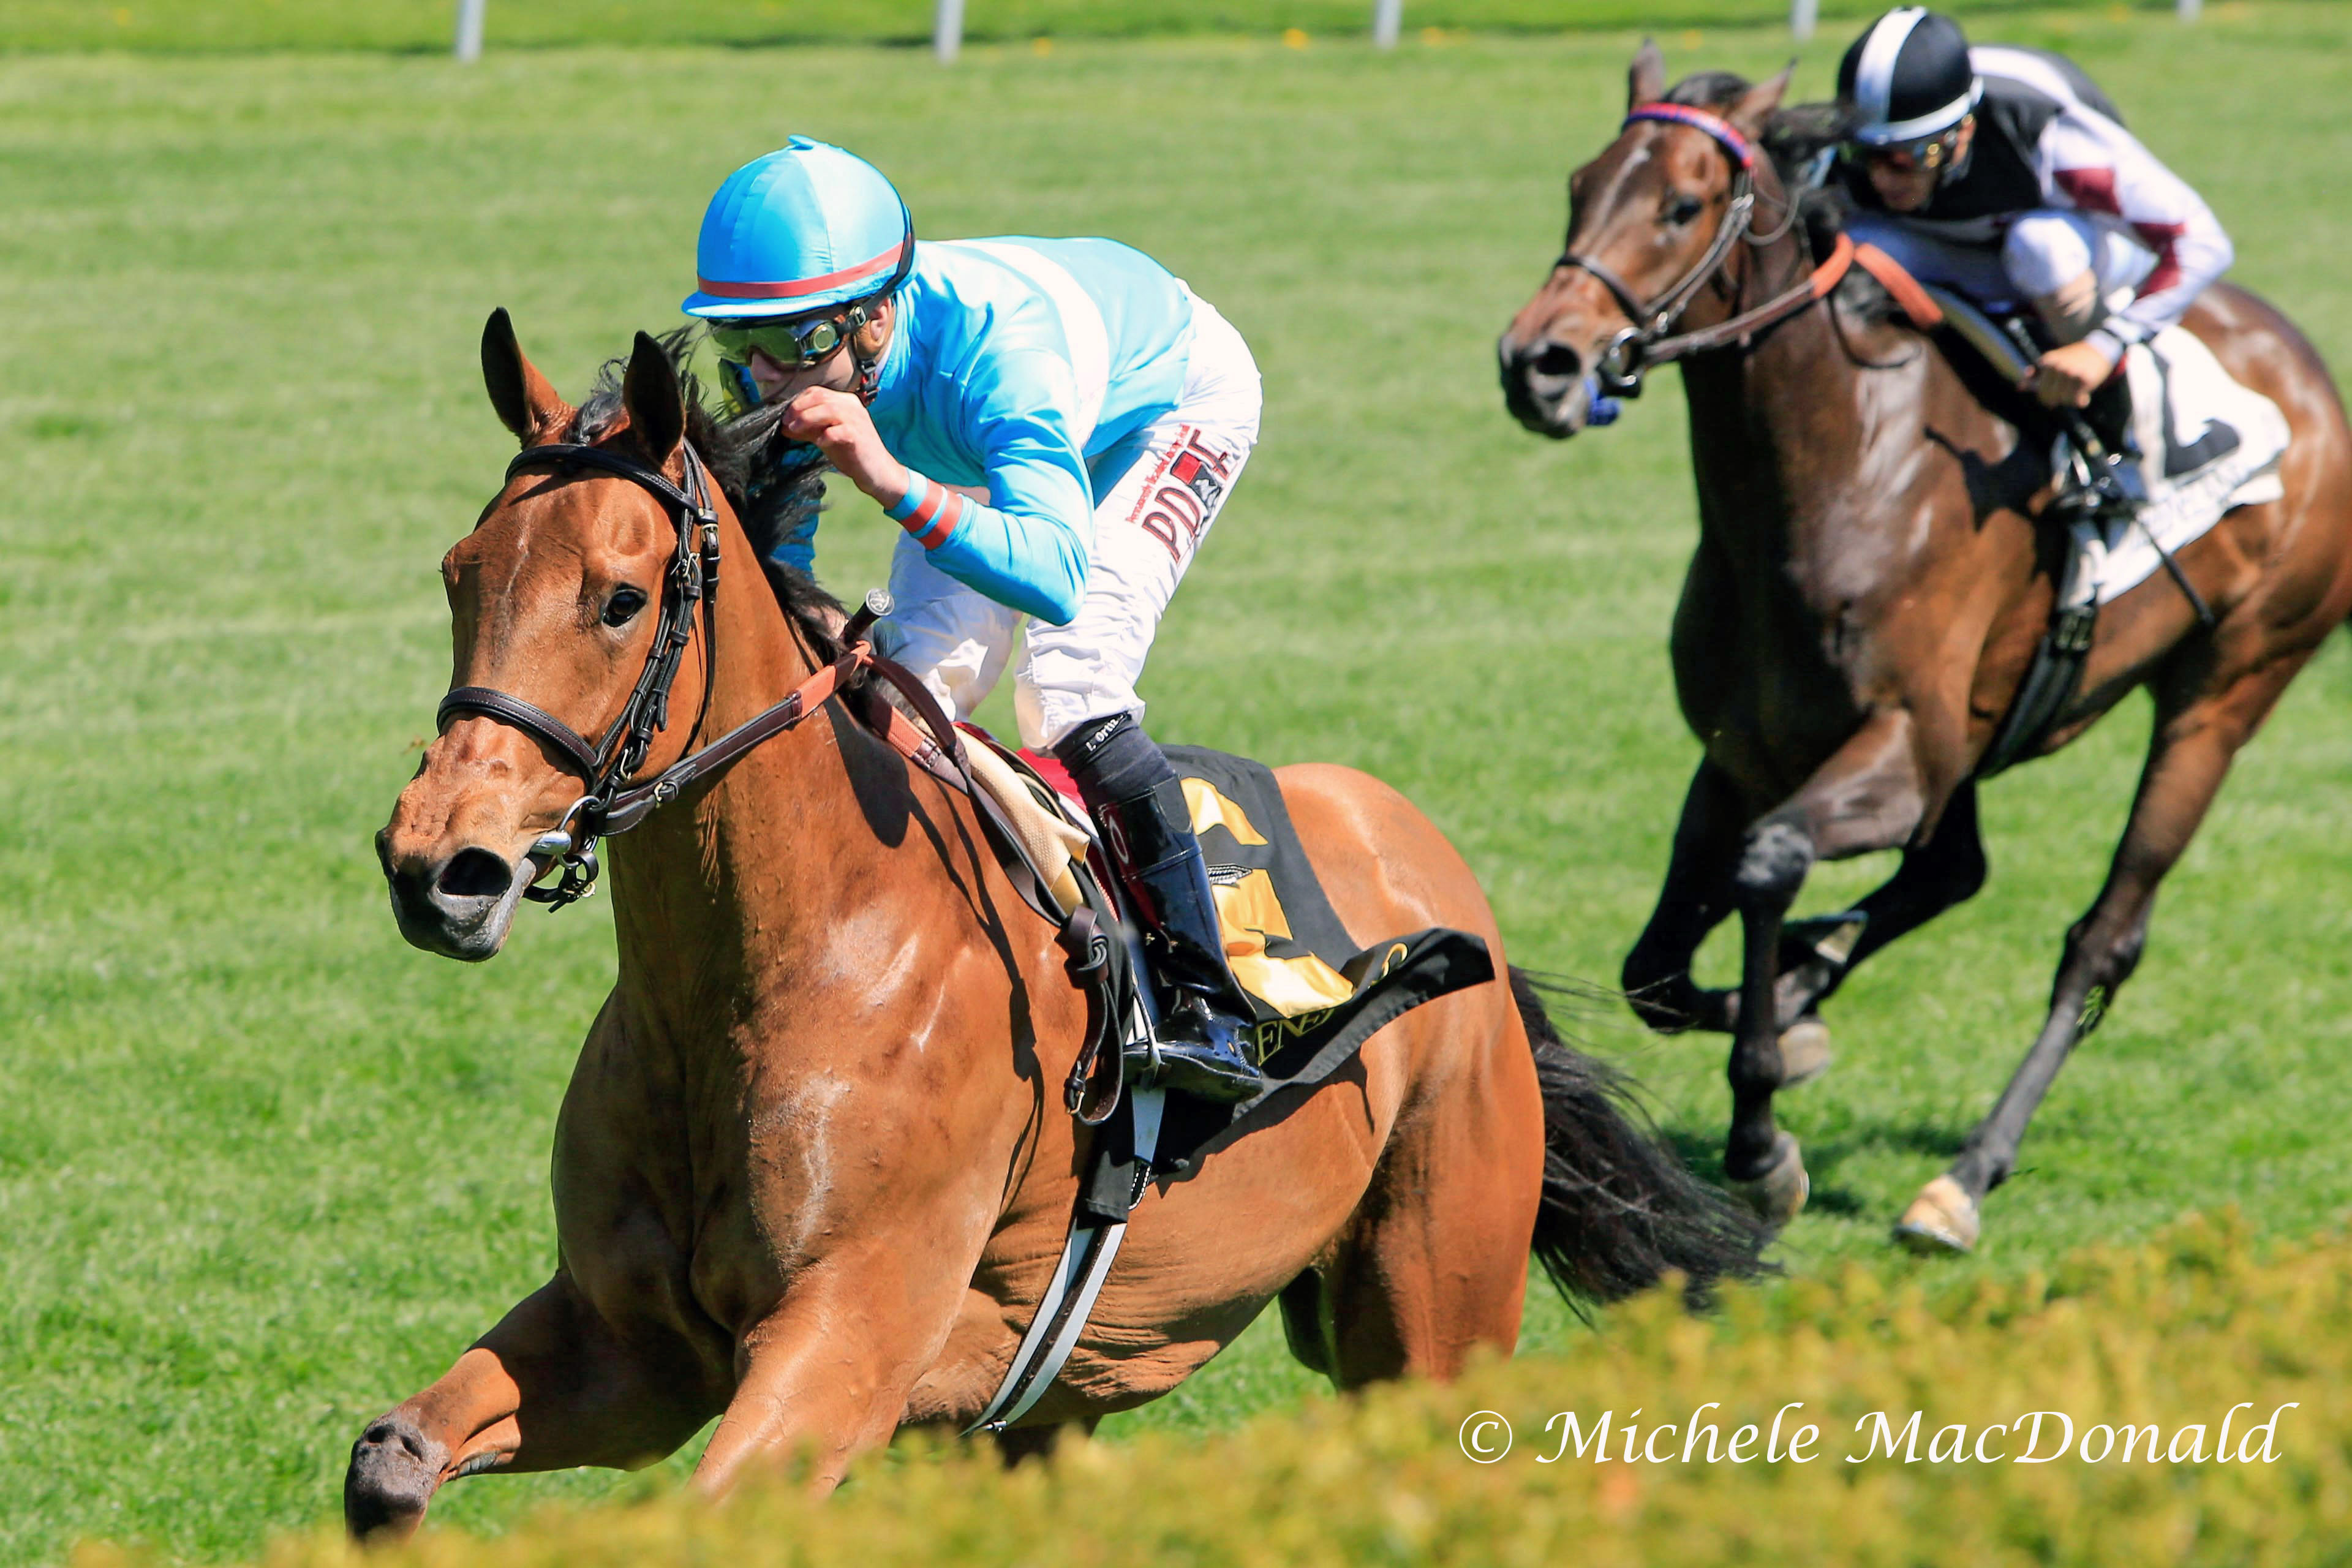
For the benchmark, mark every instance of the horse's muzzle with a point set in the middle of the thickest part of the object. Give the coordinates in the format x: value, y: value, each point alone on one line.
x: 1544, y: 385
x: 459, y: 906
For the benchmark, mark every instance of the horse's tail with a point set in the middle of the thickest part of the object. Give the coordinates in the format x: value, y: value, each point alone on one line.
x: 1620, y: 1209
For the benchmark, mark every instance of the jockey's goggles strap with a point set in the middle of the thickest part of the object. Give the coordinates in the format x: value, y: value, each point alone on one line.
x: 1742, y: 150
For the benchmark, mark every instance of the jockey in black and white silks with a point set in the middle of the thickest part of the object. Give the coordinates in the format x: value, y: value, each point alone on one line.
x: 2006, y: 175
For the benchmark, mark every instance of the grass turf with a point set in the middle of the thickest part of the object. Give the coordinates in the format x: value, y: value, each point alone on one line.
x: 427, y: 25
x: 263, y: 1169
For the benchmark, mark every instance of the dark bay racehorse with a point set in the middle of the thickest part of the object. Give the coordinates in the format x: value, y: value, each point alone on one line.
x: 812, y: 1172
x: 1868, y: 590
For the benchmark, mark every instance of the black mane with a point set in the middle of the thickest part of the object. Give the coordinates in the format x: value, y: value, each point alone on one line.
x: 734, y: 450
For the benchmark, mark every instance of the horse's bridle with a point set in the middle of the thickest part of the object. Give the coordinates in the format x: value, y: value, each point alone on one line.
x: 606, y: 766
x: 1646, y: 342
x: 613, y: 804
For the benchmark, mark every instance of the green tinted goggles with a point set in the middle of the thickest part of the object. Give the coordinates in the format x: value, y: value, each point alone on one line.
x: 794, y: 344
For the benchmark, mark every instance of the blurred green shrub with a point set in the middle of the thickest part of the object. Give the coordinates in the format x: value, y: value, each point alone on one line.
x: 2174, y: 1333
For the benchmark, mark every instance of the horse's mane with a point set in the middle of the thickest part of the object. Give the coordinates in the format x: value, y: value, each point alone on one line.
x: 1794, y: 139
x: 735, y: 450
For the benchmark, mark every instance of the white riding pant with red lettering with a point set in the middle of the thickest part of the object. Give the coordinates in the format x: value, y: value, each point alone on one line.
x: 1157, y: 493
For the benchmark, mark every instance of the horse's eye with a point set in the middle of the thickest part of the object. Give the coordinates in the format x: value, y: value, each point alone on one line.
x: 623, y: 607
x: 1683, y: 209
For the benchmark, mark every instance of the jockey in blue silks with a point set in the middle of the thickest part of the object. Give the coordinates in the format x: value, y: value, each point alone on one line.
x: 1055, y: 423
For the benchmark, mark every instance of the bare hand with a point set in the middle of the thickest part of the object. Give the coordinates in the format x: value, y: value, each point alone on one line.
x: 839, y: 424
x: 2069, y: 373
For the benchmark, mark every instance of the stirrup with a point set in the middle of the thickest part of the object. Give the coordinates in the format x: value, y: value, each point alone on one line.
x: 1200, y: 1053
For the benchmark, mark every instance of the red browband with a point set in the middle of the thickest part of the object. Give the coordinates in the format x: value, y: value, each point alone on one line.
x: 1742, y: 150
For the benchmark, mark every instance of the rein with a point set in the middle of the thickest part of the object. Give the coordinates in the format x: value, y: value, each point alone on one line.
x: 1646, y: 342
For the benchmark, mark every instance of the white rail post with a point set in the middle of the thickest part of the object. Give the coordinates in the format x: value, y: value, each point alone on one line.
x: 2191, y: 9
x: 468, y: 47
x: 947, y: 30
x: 1388, y: 19
x: 1803, y: 14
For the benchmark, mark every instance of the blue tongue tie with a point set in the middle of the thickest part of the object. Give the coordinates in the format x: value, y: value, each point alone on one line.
x: 1599, y: 407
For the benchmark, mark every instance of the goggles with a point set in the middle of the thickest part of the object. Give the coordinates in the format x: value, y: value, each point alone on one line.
x: 794, y: 344
x: 1930, y: 153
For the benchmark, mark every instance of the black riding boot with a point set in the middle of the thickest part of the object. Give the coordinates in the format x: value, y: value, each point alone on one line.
x: 1139, y: 805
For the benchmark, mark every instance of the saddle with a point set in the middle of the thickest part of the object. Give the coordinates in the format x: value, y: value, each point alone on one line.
x: 1316, y: 993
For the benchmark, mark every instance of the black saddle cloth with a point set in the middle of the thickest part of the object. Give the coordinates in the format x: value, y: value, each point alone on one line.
x: 1318, y: 994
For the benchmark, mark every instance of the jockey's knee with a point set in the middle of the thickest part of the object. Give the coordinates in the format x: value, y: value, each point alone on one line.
x: 2049, y: 260
x: 2074, y: 269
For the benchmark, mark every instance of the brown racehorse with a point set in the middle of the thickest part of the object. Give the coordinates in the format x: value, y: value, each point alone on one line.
x: 1868, y: 590
x: 810, y: 1175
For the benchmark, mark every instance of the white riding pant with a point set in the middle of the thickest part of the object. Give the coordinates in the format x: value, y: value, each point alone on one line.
x: 1157, y: 493
x: 2044, y: 252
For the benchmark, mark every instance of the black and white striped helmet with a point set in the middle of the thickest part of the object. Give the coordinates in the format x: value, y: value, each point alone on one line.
x: 1907, y: 79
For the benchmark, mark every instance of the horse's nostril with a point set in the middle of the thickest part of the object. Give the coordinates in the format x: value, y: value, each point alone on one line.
x: 475, y: 874
x: 1557, y: 359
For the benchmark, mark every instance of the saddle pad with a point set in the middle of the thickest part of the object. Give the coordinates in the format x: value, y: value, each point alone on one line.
x: 2207, y: 444
x: 1317, y: 993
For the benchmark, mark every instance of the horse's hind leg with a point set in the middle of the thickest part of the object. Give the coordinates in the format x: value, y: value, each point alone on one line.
x: 1436, y: 1263
x: 2190, y: 755
x: 550, y: 1387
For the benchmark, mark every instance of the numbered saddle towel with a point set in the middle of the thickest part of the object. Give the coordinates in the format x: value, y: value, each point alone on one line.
x: 2207, y: 444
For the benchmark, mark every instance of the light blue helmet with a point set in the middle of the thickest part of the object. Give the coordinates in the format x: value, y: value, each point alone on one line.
x: 806, y: 226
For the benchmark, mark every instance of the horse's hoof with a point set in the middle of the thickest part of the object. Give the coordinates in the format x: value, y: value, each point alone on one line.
x: 1778, y: 1192
x: 395, y: 1468
x: 1804, y: 1051
x: 1941, y: 1220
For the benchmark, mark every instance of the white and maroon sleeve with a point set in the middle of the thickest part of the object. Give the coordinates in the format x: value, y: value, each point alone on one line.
x: 2093, y: 166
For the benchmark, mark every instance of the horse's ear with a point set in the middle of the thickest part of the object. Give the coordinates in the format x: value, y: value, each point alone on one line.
x: 527, y: 405
x: 656, y: 403
x: 1757, y: 104
x: 1646, y: 82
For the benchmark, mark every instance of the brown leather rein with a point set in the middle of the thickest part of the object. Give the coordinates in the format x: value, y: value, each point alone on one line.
x: 1646, y: 342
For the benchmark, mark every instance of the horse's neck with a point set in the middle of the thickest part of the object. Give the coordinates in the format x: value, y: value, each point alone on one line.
x: 744, y: 878
x: 1777, y: 431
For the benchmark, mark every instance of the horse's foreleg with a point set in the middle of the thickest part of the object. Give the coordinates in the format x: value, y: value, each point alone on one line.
x: 1696, y: 898
x: 550, y: 1387
x: 826, y: 1376
x: 1948, y: 869
x: 2186, y: 760
x: 1867, y: 796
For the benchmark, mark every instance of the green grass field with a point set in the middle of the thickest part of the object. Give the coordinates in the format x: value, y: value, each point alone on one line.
x: 265, y: 1170
x: 177, y: 27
